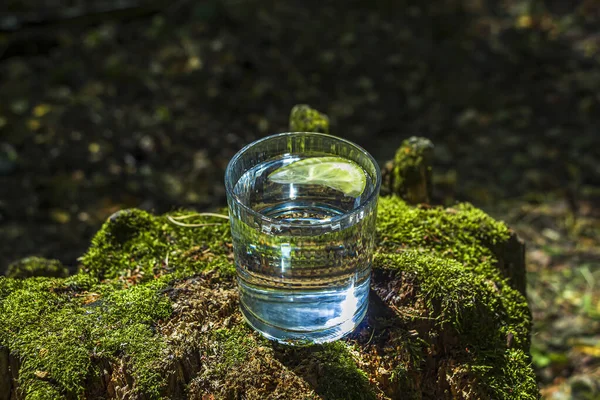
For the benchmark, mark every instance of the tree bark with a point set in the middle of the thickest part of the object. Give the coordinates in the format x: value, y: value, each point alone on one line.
x: 5, y: 375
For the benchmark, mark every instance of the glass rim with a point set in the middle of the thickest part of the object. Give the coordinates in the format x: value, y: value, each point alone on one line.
x: 229, y: 186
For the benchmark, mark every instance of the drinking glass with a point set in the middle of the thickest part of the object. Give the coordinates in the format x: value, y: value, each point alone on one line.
x: 303, y: 251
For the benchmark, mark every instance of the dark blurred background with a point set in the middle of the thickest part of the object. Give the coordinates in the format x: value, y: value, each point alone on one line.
x: 107, y: 104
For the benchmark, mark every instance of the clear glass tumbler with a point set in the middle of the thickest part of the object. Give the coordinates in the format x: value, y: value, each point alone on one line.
x: 303, y: 250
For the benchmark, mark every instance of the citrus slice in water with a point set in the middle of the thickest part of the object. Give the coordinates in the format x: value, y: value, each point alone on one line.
x: 334, y: 172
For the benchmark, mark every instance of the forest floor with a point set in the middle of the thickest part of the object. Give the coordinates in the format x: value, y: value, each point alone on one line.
x: 144, y: 107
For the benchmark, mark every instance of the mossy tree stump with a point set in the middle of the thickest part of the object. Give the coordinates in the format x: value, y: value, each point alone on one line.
x: 409, y: 174
x: 153, y: 313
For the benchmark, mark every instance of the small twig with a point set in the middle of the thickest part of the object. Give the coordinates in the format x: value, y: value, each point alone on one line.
x: 409, y: 315
x: 191, y: 225
x: 175, y: 220
x: 207, y: 214
x: 371, y: 338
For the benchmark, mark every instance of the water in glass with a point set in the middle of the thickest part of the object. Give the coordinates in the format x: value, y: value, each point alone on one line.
x: 305, y: 275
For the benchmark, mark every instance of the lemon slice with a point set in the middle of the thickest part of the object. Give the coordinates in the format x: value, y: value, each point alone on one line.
x: 334, y: 172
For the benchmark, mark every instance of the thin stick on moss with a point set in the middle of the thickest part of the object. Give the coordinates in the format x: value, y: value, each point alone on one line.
x: 175, y: 220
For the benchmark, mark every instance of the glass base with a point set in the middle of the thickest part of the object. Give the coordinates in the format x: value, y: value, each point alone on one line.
x: 303, y: 338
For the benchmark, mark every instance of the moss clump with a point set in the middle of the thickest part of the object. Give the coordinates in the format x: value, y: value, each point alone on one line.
x: 409, y: 175
x: 36, y: 266
x: 332, y: 370
x: 306, y: 119
x: 342, y: 378
x: 135, y: 246
x: 238, y: 363
x: 413, y: 162
x: 57, y: 329
x: 513, y: 378
x: 43, y: 390
x: 235, y: 346
x: 153, y: 312
x: 446, y: 284
x: 463, y: 233
x: 467, y: 314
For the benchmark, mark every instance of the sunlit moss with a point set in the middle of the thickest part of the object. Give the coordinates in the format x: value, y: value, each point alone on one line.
x: 447, y: 257
x: 409, y: 175
x: 135, y: 245
x: 60, y: 327
x: 306, y: 119
x: 234, y: 345
x: 43, y: 390
x: 463, y: 233
x: 57, y: 329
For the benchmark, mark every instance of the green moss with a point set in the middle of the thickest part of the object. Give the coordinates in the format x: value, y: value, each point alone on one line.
x: 410, y: 173
x: 129, y: 239
x: 238, y: 363
x: 409, y: 358
x: 516, y: 380
x: 445, y: 255
x: 234, y: 348
x: 79, y: 282
x: 306, y: 119
x: 41, y: 390
x: 36, y: 266
x: 56, y: 330
x: 108, y: 310
x: 331, y: 369
x: 341, y: 378
x: 232, y: 365
x: 135, y: 246
x: 463, y: 233
x: 62, y: 329
x: 230, y: 361
x: 480, y: 311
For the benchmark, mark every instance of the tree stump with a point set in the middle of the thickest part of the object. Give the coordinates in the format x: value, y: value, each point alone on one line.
x: 409, y: 175
x: 153, y: 313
